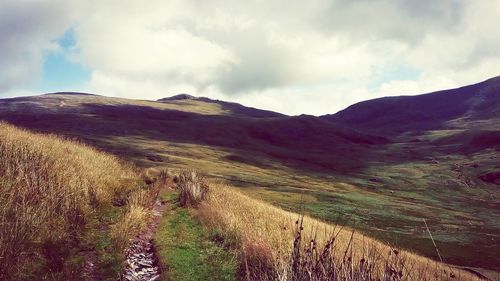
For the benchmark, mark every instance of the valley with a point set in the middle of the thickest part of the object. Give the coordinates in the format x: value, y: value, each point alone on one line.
x: 380, y: 166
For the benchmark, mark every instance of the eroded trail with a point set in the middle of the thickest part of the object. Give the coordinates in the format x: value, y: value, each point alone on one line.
x: 142, y: 263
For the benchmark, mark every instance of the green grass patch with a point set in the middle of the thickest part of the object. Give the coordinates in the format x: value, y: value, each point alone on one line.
x: 189, y: 251
x: 97, y: 239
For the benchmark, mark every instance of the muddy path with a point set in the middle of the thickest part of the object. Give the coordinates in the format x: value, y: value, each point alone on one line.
x: 142, y: 263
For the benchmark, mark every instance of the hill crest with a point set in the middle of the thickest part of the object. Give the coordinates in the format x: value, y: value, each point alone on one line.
x: 471, y: 106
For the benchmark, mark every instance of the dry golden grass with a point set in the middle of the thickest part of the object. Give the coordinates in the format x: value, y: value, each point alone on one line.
x: 60, y: 101
x: 50, y: 189
x: 138, y: 213
x: 192, y: 188
x: 129, y: 225
x: 266, y: 234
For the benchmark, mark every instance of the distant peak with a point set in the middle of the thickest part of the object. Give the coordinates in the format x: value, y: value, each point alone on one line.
x: 71, y: 93
x: 182, y: 96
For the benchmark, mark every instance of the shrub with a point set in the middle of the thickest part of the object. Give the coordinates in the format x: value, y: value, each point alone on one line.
x: 192, y: 187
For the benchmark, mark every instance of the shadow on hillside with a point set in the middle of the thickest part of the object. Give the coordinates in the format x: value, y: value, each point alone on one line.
x: 302, y: 142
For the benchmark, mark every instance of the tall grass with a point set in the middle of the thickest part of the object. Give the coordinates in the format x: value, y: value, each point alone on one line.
x: 193, y: 188
x: 138, y: 210
x: 280, y: 245
x: 50, y: 189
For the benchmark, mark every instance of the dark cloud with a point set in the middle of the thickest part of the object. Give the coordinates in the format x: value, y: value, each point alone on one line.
x: 260, y: 64
x: 402, y: 20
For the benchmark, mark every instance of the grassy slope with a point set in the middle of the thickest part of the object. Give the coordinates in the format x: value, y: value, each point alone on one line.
x: 454, y: 137
x: 265, y: 235
x: 387, y: 189
x: 188, y: 251
x: 56, y: 207
x: 50, y: 209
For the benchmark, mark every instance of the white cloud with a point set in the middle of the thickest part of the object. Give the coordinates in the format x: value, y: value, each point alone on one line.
x: 291, y: 56
x: 149, y: 51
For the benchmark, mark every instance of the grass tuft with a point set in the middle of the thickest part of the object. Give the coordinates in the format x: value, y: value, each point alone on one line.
x: 193, y: 188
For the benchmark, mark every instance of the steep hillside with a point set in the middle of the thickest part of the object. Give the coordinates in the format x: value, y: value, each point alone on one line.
x: 58, y: 210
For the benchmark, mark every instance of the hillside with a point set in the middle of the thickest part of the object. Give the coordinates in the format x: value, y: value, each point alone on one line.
x: 386, y: 172
x: 475, y: 106
x: 293, y: 141
x: 235, y: 108
x: 70, y: 212
x: 59, y: 210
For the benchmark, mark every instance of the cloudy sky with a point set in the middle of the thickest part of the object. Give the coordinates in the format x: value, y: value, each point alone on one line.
x: 315, y: 56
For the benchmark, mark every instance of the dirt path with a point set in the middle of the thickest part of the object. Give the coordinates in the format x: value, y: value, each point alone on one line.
x: 461, y: 176
x: 142, y: 263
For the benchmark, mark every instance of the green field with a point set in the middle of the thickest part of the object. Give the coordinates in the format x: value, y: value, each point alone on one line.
x: 188, y: 249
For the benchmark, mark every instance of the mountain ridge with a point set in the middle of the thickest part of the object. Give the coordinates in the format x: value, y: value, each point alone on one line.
x: 234, y: 107
x: 401, y: 114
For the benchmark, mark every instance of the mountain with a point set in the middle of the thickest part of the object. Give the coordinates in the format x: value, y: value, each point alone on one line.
x: 471, y: 107
x: 296, y: 141
x: 381, y: 165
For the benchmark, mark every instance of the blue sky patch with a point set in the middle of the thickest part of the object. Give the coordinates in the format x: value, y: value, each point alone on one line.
x: 61, y: 74
x: 400, y: 72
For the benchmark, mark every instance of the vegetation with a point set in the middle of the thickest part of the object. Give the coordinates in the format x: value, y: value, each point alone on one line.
x: 64, y: 202
x: 57, y: 203
x: 134, y: 219
x: 190, y: 251
x: 280, y: 245
x: 437, y: 159
x: 192, y: 188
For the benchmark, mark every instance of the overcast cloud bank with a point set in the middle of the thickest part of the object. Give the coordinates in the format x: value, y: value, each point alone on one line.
x: 295, y: 57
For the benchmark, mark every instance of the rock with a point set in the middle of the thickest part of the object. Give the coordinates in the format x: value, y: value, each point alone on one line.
x: 154, y: 278
x: 145, y: 263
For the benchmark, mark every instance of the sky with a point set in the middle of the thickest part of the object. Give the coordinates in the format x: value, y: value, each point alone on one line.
x: 313, y: 57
